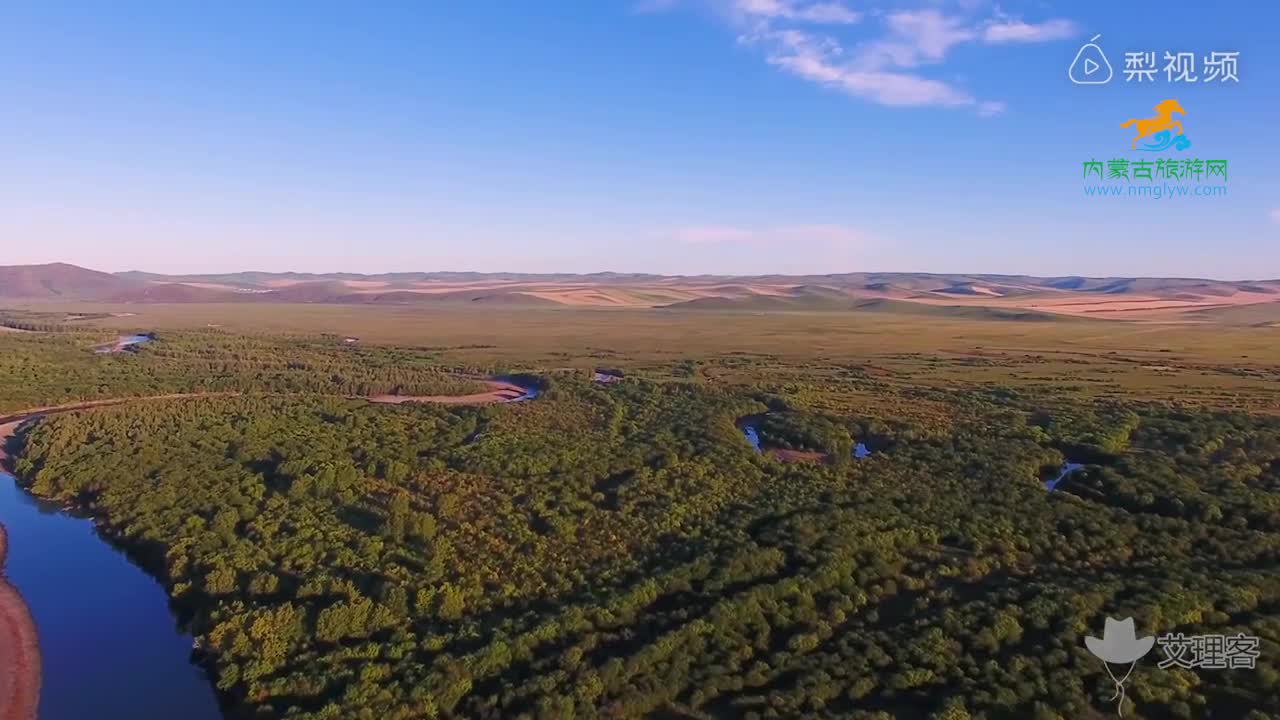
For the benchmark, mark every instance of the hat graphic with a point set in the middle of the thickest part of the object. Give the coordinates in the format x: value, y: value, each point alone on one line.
x: 1119, y: 645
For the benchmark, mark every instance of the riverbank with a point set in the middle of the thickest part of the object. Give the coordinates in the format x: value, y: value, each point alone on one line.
x: 114, y: 653
x: 13, y: 419
x: 500, y: 391
x: 19, y: 651
x: 121, y: 344
x: 19, y: 648
x: 20, y: 661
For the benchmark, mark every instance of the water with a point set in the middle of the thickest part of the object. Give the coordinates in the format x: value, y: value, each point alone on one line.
x: 529, y: 391
x: 109, y: 646
x: 1067, y: 469
x: 753, y: 437
x: 122, y: 343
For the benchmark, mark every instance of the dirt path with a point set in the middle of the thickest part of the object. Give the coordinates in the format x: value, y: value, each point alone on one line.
x: 500, y: 391
x: 19, y: 416
x: 804, y: 456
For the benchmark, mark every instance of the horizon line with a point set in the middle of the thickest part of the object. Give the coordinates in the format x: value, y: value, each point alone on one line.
x: 651, y: 274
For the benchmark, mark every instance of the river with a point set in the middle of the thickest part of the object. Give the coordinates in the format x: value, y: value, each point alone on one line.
x: 122, y: 343
x: 109, y: 646
x: 747, y: 426
x: 1067, y: 469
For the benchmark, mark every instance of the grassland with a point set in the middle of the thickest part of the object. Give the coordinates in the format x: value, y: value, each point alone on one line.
x: 1223, y: 364
x: 618, y: 549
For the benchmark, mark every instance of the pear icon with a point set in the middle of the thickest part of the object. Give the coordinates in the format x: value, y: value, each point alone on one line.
x: 1090, y: 66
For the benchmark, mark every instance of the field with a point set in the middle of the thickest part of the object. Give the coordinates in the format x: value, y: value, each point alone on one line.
x: 1225, y: 364
x: 617, y: 549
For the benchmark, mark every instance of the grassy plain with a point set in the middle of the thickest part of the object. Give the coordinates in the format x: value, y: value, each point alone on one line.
x: 618, y: 549
x: 1225, y: 365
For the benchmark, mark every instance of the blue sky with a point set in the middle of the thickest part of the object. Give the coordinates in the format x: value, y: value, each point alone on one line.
x: 674, y: 136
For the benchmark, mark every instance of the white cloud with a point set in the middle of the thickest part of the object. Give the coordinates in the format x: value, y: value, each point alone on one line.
x: 895, y: 89
x: 819, y: 12
x: 883, y: 70
x: 834, y: 235
x: 1275, y: 216
x: 991, y: 108
x: 654, y: 6
x: 926, y: 34
x: 825, y: 13
x: 1017, y: 31
x: 711, y: 234
x: 873, y: 73
x: 810, y: 39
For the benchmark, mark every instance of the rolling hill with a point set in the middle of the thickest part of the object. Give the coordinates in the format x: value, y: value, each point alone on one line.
x: 1022, y: 297
x: 60, y: 280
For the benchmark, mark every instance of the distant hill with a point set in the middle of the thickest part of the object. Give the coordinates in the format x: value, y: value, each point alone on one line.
x: 1259, y: 314
x: 974, y: 312
x: 60, y: 280
x: 169, y: 293
x: 802, y: 297
x: 873, y: 305
x: 1006, y: 297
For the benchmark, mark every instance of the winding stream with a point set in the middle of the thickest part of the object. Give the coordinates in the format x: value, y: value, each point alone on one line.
x: 749, y: 431
x: 124, y: 342
x: 1067, y: 469
x: 109, y: 646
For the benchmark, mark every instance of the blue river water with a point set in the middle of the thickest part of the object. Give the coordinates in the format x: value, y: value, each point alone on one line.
x: 123, y: 343
x: 110, y: 648
x: 1067, y: 469
x: 860, y: 450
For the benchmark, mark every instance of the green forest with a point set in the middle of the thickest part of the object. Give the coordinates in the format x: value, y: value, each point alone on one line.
x: 619, y: 550
x: 54, y: 368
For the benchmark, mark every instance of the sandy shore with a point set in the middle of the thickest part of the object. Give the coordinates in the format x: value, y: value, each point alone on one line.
x: 8, y: 426
x: 499, y: 391
x: 19, y: 649
x: 807, y: 456
x: 19, y: 656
